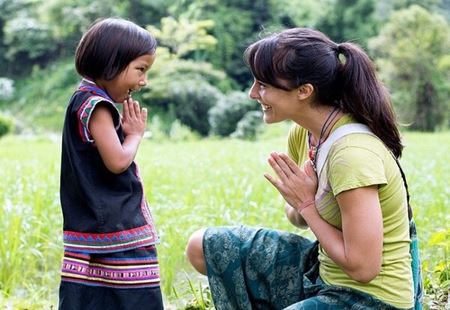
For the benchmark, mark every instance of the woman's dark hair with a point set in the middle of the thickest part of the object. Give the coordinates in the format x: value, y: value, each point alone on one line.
x: 109, y: 45
x: 299, y: 56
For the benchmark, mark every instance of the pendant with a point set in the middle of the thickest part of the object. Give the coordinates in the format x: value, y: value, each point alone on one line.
x: 312, y: 153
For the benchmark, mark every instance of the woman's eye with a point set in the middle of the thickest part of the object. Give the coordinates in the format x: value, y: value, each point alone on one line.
x: 262, y: 86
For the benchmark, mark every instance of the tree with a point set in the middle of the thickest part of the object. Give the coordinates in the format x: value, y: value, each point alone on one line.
x: 180, y: 88
x: 350, y: 20
x: 412, y: 51
x: 288, y: 13
x: 236, y: 24
x: 6, y: 9
x: 36, y: 32
x: 386, y: 7
x: 184, y: 36
x: 228, y: 111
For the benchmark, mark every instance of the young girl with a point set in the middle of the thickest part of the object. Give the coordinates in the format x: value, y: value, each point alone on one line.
x: 356, y: 205
x: 110, y: 259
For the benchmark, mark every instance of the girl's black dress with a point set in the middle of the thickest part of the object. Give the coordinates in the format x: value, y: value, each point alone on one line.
x: 110, y: 259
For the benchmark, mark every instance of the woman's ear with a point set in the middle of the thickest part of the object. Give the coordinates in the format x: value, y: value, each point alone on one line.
x: 305, y: 91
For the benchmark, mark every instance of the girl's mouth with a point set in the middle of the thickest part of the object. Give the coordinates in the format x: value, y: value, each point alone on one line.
x: 133, y: 90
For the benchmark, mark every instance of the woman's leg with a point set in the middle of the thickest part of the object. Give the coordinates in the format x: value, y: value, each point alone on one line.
x: 252, y: 268
x: 194, y: 251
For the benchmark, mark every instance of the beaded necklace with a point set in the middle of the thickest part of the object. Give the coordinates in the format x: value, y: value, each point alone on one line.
x: 313, y: 149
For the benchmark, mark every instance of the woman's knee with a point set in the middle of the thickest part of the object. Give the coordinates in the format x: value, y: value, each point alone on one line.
x: 194, y: 251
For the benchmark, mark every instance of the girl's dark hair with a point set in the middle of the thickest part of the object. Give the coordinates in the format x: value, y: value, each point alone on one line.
x: 299, y: 56
x: 109, y: 45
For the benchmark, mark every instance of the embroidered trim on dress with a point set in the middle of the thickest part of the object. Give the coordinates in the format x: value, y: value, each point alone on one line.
x: 109, y: 242
x: 134, y: 272
x: 84, y: 115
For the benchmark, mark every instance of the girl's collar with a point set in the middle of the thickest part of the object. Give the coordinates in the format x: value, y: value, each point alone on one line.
x: 87, y: 80
x: 89, y: 85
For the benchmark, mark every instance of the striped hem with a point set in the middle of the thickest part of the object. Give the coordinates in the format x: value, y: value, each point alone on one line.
x: 133, y: 272
x: 109, y: 242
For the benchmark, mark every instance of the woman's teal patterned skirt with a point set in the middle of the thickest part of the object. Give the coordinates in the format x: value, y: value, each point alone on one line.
x: 252, y: 268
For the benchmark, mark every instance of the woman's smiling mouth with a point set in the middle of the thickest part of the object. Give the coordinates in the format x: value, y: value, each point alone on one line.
x: 265, y: 107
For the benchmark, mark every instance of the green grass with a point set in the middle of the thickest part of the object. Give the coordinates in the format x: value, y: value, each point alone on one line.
x: 189, y: 185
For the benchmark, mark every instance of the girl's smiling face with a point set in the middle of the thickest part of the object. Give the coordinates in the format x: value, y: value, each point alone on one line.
x: 133, y: 78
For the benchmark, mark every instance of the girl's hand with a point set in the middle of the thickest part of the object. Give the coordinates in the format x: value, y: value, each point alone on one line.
x: 294, y: 184
x: 134, y: 120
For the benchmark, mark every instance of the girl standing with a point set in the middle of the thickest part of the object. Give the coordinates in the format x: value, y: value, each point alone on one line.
x: 110, y: 259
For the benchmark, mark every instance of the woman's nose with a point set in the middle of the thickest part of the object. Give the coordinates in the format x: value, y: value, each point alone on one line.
x: 253, y: 93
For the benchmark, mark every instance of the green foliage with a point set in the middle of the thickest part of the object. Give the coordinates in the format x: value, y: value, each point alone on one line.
x: 183, y: 90
x: 437, y: 283
x: 350, y: 20
x: 176, y: 132
x: 6, y: 124
x: 40, y: 100
x: 228, y: 111
x: 168, y: 69
x: 28, y: 208
x: 236, y: 25
x: 146, y: 12
x: 69, y: 19
x: 27, y: 38
x: 289, y: 13
x: 184, y: 36
x: 248, y: 127
x: 38, y: 31
x: 6, y: 89
x: 180, y: 132
x: 415, y: 66
x: 189, y: 185
x: 192, y: 101
x: 203, y: 42
x: 201, y: 296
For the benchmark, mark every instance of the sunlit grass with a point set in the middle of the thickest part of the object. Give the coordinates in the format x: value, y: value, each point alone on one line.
x: 189, y: 185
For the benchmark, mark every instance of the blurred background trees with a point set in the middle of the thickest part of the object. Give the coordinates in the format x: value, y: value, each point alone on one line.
x: 200, y: 79
x: 412, y: 51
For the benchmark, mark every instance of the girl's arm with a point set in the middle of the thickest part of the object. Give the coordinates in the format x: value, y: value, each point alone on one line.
x: 117, y: 157
x: 357, y: 249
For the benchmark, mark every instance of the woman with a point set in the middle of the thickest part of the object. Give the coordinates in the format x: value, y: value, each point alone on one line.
x: 356, y: 208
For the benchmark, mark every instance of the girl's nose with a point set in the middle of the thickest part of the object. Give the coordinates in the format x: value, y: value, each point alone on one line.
x: 253, y: 93
x: 143, y: 82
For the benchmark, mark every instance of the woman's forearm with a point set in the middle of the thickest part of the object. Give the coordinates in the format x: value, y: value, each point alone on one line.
x: 331, y: 240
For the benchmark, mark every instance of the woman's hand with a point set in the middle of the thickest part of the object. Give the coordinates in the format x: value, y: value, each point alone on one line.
x: 296, y: 185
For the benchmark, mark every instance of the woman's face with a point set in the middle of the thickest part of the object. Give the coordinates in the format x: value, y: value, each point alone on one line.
x: 277, y: 104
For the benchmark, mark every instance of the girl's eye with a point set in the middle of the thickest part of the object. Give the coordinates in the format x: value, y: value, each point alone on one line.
x: 141, y: 69
x: 261, y: 86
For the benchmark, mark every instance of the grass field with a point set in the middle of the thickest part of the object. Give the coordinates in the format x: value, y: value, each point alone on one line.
x: 189, y: 185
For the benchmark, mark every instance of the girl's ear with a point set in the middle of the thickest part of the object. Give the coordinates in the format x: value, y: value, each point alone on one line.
x: 305, y: 91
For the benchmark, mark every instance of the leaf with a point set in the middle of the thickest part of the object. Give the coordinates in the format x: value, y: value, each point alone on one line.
x: 440, y: 238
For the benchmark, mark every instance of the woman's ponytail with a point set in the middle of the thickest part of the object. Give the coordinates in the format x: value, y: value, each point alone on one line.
x: 365, y: 98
